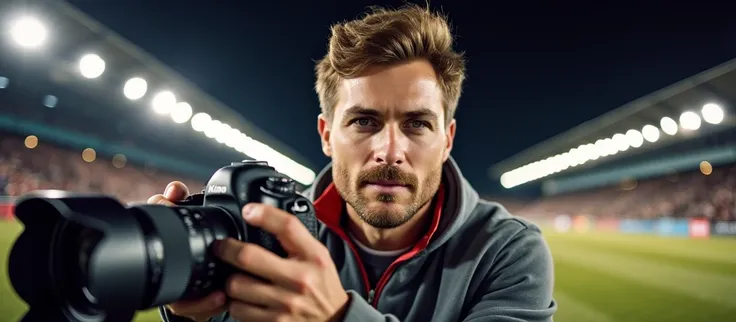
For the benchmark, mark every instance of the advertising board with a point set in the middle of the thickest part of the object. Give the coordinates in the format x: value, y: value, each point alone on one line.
x: 563, y: 223
x: 581, y: 224
x: 6, y: 211
x: 699, y: 228
x: 723, y: 228
x: 672, y: 227
x: 635, y: 226
x: 607, y: 224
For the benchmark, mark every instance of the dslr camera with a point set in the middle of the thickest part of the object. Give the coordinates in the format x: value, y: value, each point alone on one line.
x: 89, y: 258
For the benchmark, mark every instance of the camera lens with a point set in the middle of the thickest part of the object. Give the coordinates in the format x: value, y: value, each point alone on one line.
x: 92, y: 259
x: 202, y: 226
x: 86, y: 243
x: 72, y: 247
x: 177, y: 243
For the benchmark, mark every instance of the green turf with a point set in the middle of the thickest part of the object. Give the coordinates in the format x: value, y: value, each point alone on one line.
x: 599, y: 278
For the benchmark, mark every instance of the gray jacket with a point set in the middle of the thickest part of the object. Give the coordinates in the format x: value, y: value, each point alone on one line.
x: 478, y: 263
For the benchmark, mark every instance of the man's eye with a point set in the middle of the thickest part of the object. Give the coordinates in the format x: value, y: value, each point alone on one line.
x: 418, y: 124
x: 363, y: 122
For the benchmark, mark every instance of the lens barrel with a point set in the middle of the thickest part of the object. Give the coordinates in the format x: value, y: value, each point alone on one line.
x: 90, y: 258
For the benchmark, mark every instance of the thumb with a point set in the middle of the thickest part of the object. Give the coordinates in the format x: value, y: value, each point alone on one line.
x: 175, y: 191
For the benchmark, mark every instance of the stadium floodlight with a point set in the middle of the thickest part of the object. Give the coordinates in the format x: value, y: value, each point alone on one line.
x: 620, y: 141
x: 610, y: 146
x: 232, y: 139
x: 280, y: 162
x: 635, y: 138
x: 201, y: 121
x: 581, y: 157
x: 712, y: 113
x: 690, y: 121
x: 241, y: 143
x: 578, y: 156
x: 506, y: 180
x: 600, y: 147
x: 28, y: 32
x: 181, y: 113
x: 668, y: 125
x: 223, y: 132
x: 212, y: 129
x: 573, y: 159
x: 163, y: 102
x: 591, y: 152
x: 299, y: 172
x: 91, y: 66
x: 135, y: 88
x: 650, y: 133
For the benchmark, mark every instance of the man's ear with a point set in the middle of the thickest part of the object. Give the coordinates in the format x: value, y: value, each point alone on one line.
x: 449, y: 139
x: 323, y: 127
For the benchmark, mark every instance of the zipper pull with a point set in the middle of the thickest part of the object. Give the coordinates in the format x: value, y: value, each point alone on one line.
x: 371, y: 294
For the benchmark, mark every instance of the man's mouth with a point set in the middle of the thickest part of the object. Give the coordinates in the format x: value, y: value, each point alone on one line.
x: 387, y: 183
x: 387, y: 186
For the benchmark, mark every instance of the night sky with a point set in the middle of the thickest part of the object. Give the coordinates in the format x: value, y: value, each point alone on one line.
x: 534, y: 70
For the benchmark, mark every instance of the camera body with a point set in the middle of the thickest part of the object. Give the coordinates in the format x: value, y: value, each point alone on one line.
x: 90, y: 258
x: 234, y: 186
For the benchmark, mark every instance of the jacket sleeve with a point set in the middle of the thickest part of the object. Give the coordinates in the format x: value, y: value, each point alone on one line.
x: 359, y: 310
x: 519, y: 285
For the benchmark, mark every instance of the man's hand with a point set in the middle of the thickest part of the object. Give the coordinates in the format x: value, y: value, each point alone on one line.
x: 213, y: 304
x: 303, y: 287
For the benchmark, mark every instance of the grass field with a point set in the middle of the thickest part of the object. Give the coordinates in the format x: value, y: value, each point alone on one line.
x: 599, y: 278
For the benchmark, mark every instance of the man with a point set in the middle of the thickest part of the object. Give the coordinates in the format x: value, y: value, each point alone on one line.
x: 405, y: 237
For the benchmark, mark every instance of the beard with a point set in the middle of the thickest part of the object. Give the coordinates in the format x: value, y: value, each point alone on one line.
x: 385, y: 211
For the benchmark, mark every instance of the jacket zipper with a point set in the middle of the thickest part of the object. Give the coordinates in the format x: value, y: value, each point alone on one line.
x: 386, y: 276
x: 373, y: 294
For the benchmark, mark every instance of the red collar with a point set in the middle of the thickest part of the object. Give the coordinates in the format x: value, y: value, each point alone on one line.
x: 329, y: 209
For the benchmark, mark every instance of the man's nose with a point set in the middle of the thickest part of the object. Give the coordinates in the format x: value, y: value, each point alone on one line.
x: 390, y: 146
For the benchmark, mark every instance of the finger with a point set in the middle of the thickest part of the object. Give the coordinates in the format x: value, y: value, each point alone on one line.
x: 175, y: 191
x: 209, y: 303
x: 160, y: 199
x: 288, y: 229
x: 246, y: 289
x: 258, y: 261
x: 241, y: 311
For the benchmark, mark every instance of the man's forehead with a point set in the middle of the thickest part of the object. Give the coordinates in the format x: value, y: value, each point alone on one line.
x: 390, y: 96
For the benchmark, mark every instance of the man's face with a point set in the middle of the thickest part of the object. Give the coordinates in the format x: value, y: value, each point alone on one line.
x: 388, y: 141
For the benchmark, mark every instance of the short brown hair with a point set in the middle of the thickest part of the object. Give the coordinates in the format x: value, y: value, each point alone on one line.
x: 387, y: 37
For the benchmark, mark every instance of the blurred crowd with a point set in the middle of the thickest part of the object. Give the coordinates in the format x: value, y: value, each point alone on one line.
x: 698, y: 194
x: 682, y: 195
x: 24, y: 169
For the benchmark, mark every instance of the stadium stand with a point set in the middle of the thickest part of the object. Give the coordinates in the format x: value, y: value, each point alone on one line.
x: 662, y: 164
x: 68, y: 84
x: 681, y: 195
x: 74, y: 73
x: 27, y: 164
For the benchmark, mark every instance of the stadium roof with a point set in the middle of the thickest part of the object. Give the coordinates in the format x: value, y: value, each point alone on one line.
x: 687, y: 107
x: 74, y: 33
